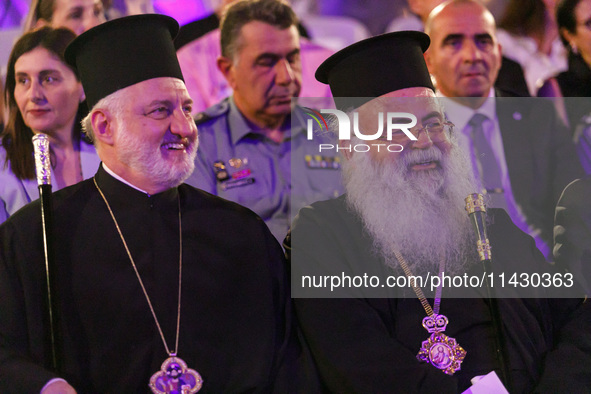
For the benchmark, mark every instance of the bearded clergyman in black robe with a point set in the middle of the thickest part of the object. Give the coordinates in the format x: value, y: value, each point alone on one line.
x: 368, y: 327
x: 159, y: 285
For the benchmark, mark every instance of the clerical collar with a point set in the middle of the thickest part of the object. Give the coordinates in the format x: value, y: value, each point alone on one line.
x: 110, y: 172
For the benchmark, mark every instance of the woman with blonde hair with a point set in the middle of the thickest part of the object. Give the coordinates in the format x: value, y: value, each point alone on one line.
x: 76, y: 15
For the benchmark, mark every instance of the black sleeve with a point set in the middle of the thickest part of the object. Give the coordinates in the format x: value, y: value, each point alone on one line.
x: 572, y: 232
x: 566, y: 368
x: 21, y: 346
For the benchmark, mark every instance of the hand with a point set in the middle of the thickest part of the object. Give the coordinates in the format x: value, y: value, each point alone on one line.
x: 58, y: 387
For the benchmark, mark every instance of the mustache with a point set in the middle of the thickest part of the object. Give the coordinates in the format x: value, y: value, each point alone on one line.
x: 282, y: 91
x: 411, y: 157
x: 477, y: 67
x: 176, y: 140
x: 186, y: 141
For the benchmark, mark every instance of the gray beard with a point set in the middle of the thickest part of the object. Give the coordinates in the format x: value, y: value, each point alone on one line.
x: 147, y: 158
x: 420, y: 214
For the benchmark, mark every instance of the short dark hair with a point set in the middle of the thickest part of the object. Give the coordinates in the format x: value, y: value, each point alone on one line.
x: 565, y: 17
x: 273, y: 12
x: 16, y: 137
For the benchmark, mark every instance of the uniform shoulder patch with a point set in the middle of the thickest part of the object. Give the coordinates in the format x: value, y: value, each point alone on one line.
x: 212, y: 112
x: 201, y: 117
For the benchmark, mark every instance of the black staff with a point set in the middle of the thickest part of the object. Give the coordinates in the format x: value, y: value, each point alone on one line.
x: 477, y: 212
x: 43, y: 170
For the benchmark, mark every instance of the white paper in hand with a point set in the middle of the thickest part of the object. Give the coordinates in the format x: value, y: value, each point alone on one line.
x: 487, y: 384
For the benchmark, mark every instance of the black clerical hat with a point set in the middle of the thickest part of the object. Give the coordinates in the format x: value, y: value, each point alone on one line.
x: 123, y: 52
x: 373, y: 67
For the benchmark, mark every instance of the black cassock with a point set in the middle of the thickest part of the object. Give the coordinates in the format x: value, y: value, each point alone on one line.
x: 367, y: 344
x: 235, y: 326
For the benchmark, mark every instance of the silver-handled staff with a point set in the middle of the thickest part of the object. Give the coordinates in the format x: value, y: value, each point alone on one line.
x: 43, y: 170
x: 477, y: 213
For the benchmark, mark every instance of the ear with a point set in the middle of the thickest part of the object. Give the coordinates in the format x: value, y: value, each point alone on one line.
x: 499, y: 58
x: 226, y: 67
x: 566, y: 34
x: 346, y: 148
x: 103, y: 126
x: 427, y: 56
x: 40, y: 23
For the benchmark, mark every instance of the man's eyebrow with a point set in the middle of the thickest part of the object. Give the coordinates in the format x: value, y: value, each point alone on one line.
x: 169, y: 103
x: 273, y: 55
x: 483, y: 35
x: 159, y: 102
x: 452, y: 37
x: 267, y: 55
x: 294, y: 52
x: 76, y: 8
x: 431, y: 115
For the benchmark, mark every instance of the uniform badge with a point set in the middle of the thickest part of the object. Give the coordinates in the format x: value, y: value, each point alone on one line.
x: 237, y: 162
x: 236, y: 175
x: 221, y: 174
x: 241, y: 174
x: 323, y: 162
x: 237, y: 183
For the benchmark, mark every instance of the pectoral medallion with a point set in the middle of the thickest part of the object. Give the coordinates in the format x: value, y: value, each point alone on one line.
x: 440, y: 350
x: 175, y: 377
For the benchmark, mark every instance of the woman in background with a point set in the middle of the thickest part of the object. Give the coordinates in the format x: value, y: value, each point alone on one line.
x: 43, y: 95
x: 76, y: 15
x: 574, y: 23
x: 529, y: 35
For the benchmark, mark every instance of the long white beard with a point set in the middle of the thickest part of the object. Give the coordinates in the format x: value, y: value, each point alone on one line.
x: 421, y: 214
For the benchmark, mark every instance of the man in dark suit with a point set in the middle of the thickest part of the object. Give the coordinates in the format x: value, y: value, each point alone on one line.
x: 572, y: 231
x: 531, y: 156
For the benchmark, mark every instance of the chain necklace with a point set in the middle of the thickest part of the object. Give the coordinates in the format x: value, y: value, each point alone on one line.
x: 438, y: 350
x: 174, y: 375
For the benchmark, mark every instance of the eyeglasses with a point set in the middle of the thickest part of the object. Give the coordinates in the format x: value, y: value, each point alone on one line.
x: 436, y: 131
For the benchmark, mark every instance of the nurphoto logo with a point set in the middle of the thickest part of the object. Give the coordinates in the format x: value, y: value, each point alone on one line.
x: 398, y: 125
